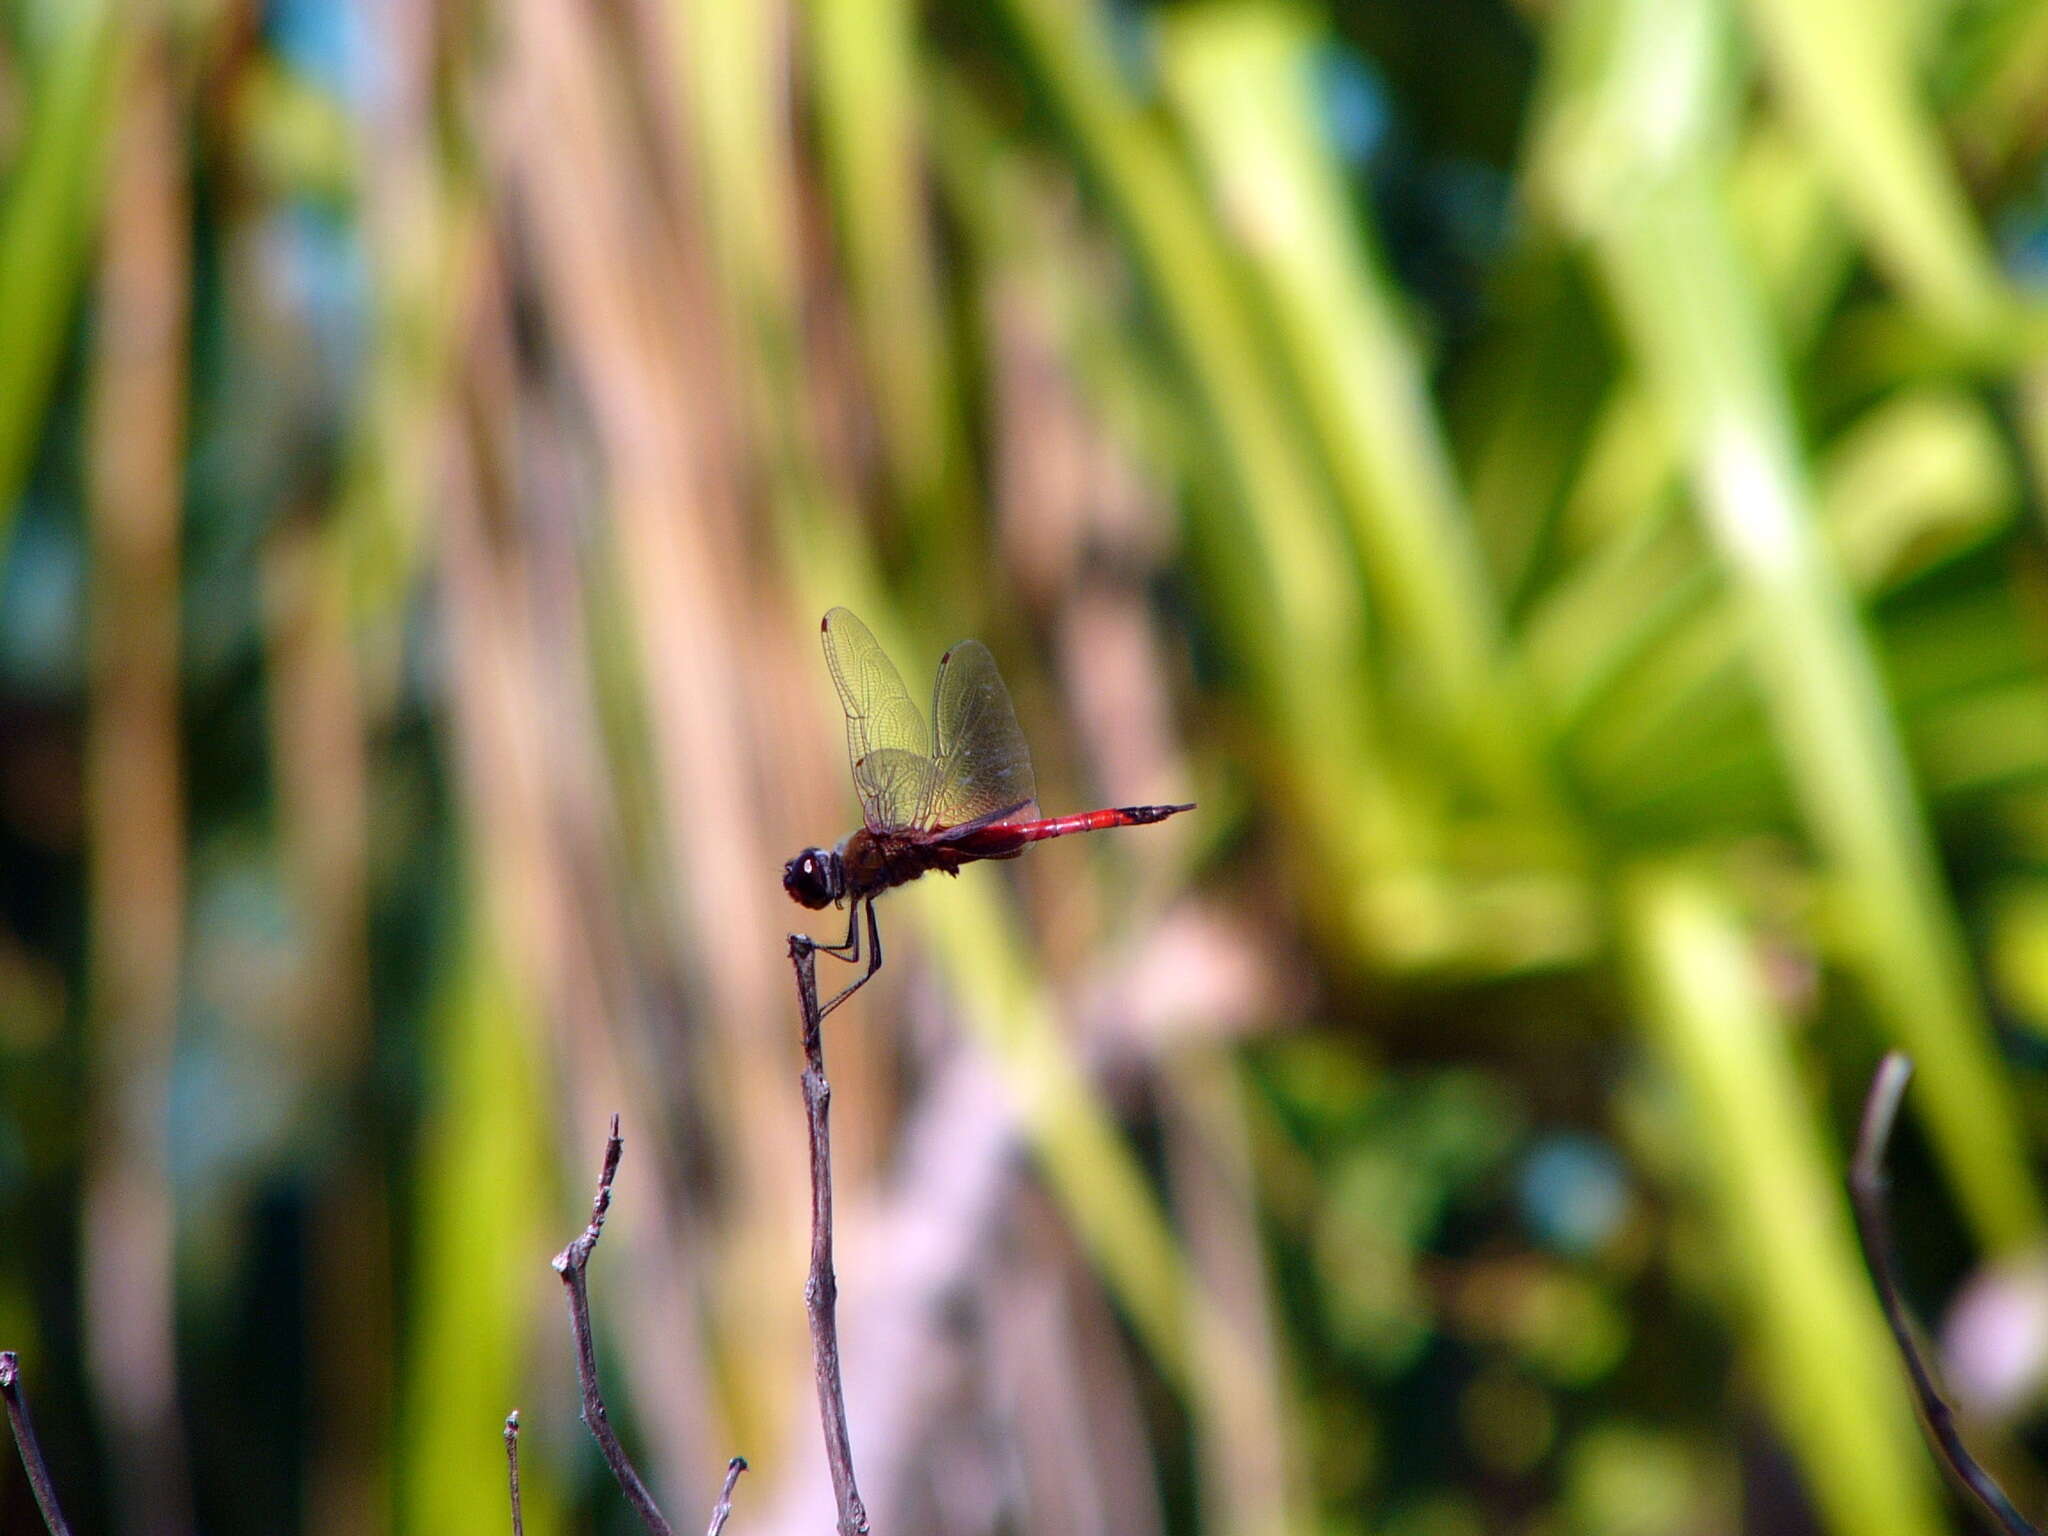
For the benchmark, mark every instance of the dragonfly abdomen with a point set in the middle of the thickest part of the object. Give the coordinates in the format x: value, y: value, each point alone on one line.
x: 1090, y: 821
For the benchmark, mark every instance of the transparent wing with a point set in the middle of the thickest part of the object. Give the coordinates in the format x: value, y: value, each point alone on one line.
x: 886, y: 739
x: 982, y: 765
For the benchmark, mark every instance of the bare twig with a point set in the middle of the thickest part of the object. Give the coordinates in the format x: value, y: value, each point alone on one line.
x: 512, y: 1468
x: 1867, y: 1188
x: 570, y: 1264
x: 722, y: 1510
x: 821, y: 1291
x: 25, y: 1441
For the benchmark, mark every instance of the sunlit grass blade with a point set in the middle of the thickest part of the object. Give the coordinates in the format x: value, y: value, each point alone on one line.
x: 479, y: 1265
x: 1625, y: 471
x: 1846, y: 70
x: 52, y: 193
x: 1791, y: 230
x: 1775, y: 1201
x: 872, y: 128
x: 1525, y: 408
x: 1637, y: 647
x: 1690, y: 310
x: 1264, y: 540
x: 729, y: 64
x: 1799, y: 247
x: 1376, y: 840
x: 1600, y: 626
x: 1241, y: 75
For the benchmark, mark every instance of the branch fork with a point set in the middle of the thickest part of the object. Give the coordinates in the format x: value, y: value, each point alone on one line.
x: 571, y: 1264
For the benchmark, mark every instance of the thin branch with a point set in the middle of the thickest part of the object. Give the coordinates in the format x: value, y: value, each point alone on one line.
x: 722, y: 1510
x: 821, y: 1291
x: 512, y: 1466
x: 25, y: 1441
x: 570, y: 1264
x: 1867, y: 1190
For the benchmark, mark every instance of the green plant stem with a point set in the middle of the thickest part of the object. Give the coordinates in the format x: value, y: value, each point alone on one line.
x: 46, y: 223
x: 1820, y: 1343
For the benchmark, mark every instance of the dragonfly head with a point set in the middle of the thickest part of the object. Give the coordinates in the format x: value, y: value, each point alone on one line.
x: 814, y: 878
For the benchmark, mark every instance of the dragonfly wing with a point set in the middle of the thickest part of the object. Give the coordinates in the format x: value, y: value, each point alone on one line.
x: 886, y: 737
x: 893, y: 785
x: 982, y: 765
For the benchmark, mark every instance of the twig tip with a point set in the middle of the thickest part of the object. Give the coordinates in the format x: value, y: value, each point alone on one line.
x: 1880, y: 1113
x: 1873, y: 1230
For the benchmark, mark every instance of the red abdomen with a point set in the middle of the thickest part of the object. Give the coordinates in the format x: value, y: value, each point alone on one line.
x: 1006, y: 838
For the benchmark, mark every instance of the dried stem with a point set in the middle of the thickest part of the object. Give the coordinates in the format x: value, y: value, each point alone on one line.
x: 570, y: 1264
x: 821, y: 1291
x: 512, y: 1469
x: 25, y: 1441
x: 1867, y: 1188
x: 722, y: 1510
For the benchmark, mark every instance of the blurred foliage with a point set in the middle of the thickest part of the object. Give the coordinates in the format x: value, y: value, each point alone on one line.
x: 1560, y: 482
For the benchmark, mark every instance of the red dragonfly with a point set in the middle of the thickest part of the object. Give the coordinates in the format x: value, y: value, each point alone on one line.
x: 930, y: 801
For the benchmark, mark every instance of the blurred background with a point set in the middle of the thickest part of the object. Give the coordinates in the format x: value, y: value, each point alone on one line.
x: 1561, y: 482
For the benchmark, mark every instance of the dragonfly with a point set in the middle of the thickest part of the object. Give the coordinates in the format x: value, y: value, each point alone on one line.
x: 935, y: 797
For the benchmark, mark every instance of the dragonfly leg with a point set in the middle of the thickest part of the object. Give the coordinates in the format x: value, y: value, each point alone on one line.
x: 874, y: 962
x: 848, y: 948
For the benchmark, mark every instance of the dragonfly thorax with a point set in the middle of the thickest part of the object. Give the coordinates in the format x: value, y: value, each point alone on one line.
x: 815, y: 878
